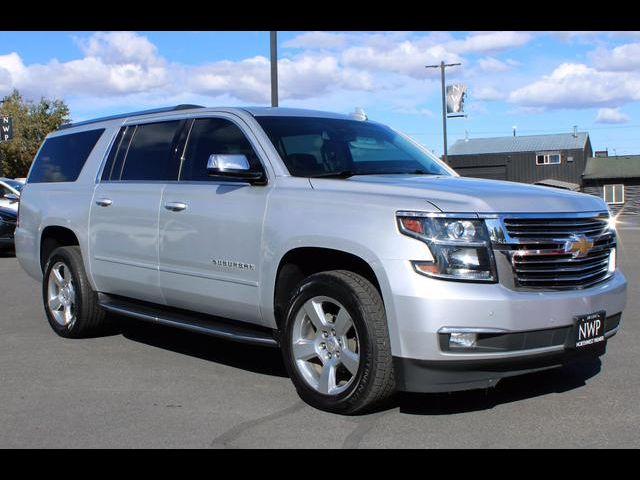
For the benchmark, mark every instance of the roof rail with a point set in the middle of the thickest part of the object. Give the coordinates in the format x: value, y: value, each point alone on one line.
x: 131, y: 114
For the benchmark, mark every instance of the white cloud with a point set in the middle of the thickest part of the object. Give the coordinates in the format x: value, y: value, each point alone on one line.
x: 321, y: 40
x: 120, y: 64
x: 575, y: 85
x: 489, y: 42
x: 405, y: 57
x: 611, y: 115
x: 624, y: 58
x: 490, y: 64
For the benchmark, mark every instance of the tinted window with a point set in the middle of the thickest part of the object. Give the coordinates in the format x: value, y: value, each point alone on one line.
x: 316, y: 146
x: 214, y: 136
x: 117, y: 143
x: 61, y: 158
x: 151, y: 154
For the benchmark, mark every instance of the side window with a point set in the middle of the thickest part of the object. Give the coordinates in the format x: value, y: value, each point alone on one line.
x: 214, y: 136
x: 117, y: 142
x: 61, y: 158
x: 151, y: 153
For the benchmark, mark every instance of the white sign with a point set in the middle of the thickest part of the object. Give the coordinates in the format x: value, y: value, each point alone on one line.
x: 455, y: 98
x: 6, y: 129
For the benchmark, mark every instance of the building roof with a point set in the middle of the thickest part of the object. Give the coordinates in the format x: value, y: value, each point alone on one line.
x: 623, y: 166
x: 552, y: 182
x: 527, y: 143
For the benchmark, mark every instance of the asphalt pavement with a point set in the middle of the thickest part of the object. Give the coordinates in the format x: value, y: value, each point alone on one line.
x: 150, y: 386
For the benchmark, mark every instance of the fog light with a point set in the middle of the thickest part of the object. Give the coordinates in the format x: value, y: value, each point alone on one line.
x: 463, y: 340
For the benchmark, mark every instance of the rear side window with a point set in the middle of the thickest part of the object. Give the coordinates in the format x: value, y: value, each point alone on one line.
x: 61, y: 158
x: 151, y: 153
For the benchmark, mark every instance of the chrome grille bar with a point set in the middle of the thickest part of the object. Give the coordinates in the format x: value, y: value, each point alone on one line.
x: 544, y: 251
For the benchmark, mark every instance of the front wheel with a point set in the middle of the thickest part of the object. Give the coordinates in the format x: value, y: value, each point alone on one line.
x: 336, y: 343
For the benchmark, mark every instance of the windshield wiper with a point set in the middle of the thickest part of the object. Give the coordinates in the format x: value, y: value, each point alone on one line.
x: 351, y: 173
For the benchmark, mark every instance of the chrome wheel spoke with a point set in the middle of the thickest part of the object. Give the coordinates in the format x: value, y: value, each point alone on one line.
x: 304, y: 349
x: 57, y: 277
x: 316, y: 314
x: 67, y: 313
x: 55, y: 303
x: 350, y: 360
x: 327, y: 380
x: 343, y: 323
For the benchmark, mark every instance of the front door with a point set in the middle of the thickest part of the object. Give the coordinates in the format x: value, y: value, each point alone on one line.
x: 211, y: 229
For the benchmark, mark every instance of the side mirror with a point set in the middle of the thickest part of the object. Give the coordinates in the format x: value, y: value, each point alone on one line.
x: 12, y: 197
x: 233, y: 166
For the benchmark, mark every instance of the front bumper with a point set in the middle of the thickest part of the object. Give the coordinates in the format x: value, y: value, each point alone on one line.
x: 418, y: 307
x: 426, y: 376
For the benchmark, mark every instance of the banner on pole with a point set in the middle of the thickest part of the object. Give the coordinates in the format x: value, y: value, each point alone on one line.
x: 455, y: 98
x: 6, y: 129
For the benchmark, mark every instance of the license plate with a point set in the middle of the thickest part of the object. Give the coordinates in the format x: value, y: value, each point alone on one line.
x: 588, y: 329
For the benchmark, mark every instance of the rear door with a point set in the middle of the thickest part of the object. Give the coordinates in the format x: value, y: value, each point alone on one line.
x: 211, y: 228
x: 124, y: 213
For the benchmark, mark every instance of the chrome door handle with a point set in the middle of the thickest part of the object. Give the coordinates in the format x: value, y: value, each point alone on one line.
x: 104, y: 202
x: 175, y: 206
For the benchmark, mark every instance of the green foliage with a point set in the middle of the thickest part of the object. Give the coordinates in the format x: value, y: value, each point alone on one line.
x: 31, y: 124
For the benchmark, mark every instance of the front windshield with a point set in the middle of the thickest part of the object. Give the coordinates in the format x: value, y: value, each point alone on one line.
x: 317, y: 147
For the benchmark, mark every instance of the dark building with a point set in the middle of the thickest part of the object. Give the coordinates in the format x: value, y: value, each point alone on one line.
x: 616, y: 180
x: 527, y: 159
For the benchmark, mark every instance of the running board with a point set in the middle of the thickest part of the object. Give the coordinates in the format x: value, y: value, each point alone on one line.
x: 186, y: 320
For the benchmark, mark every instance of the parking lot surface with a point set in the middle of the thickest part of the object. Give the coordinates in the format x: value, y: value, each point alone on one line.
x: 150, y: 386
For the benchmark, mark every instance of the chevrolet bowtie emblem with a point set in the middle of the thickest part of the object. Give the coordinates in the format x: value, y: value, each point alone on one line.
x: 578, y: 246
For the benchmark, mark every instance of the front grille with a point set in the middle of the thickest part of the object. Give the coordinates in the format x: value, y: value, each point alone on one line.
x: 541, y: 257
x: 555, y: 228
x: 8, y: 220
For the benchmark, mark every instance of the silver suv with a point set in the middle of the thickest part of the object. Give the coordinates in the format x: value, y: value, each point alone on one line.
x: 367, y: 260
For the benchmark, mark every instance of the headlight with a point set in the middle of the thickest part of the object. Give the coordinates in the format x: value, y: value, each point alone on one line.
x: 461, y: 247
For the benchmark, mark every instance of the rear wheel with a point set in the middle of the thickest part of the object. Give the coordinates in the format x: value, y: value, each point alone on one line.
x: 336, y: 343
x: 71, y: 305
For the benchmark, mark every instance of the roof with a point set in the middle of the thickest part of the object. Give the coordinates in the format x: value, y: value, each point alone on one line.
x: 292, y: 112
x: 527, y: 143
x: 255, y: 111
x: 623, y: 166
x: 552, y: 182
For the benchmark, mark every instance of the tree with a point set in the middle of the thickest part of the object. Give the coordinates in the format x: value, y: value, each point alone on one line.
x: 31, y: 124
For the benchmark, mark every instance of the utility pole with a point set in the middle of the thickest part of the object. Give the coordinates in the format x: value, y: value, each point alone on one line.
x: 274, y: 69
x: 442, y: 66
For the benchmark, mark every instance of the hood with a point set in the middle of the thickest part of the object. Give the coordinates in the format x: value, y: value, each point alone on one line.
x: 469, y: 195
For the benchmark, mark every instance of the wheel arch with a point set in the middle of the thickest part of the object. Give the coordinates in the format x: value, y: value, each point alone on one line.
x: 299, y: 262
x: 52, y: 237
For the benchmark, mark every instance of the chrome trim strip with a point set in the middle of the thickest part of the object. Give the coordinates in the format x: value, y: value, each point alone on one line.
x: 148, y: 266
x: 209, y: 276
x: 411, y: 213
x: 471, y: 330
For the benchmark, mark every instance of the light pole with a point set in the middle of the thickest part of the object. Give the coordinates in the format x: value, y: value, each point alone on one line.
x: 274, y: 69
x: 442, y: 66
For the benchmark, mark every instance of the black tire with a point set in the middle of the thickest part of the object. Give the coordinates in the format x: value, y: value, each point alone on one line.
x: 89, y: 319
x: 374, y: 383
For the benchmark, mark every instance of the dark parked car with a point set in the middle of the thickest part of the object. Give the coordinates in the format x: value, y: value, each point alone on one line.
x: 8, y: 219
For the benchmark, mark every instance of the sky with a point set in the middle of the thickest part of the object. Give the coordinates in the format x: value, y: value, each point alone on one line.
x: 537, y: 82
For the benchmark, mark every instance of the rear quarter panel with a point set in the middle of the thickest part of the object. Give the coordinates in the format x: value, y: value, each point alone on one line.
x: 64, y: 204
